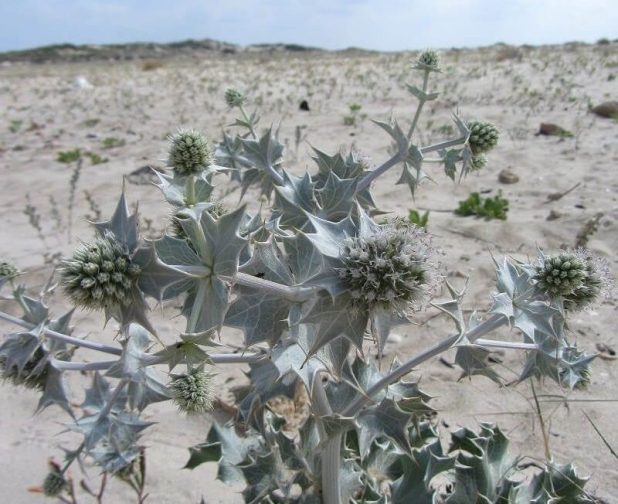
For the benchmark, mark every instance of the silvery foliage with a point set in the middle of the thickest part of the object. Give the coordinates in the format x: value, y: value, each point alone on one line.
x: 306, y: 284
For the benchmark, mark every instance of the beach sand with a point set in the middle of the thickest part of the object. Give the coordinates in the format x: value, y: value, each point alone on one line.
x: 49, y: 108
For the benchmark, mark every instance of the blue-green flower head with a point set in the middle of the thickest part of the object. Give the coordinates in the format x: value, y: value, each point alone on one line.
x: 189, y: 153
x: 234, y: 98
x: 33, y: 374
x: 478, y: 162
x: 391, y: 268
x: 100, y: 274
x: 194, y: 391
x: 54, y: 483
x: 483, y: 136
x: 575, y: 276
x: 7, y: 270
x: 429, y: 61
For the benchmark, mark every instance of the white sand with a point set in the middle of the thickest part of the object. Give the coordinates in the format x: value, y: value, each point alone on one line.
x: 551, y: 84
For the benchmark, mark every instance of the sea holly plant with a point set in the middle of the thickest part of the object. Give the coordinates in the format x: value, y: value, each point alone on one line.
x: 313, y: 284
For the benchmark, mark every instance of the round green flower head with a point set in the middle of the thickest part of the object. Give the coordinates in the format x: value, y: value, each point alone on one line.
x: 189, y: 153
x: 193, y: 392
x: 54, y: 484
x: 390, y: 269
x: 483, y: 136
x: 32, y: 375
x: 7, y: 270
x: 234, y: 98
x: 478, y: 162
x: 575, y: 276
x: 428, y: 60
x: 100, y: 274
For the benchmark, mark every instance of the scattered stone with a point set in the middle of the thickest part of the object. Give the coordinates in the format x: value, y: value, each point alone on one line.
x: 606, y: 352
x: 143, y: 176
x: 81, y: 82
x: 550, y: 129
x: 304, y: 105
x: 559, y: 195
x: 506, y: 176
x: 553, y: 215
x: 607, y: 109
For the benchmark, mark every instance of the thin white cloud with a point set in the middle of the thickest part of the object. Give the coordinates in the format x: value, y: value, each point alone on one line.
x: 378, y: 24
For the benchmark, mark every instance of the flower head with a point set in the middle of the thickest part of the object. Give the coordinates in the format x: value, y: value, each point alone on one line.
x: 478, y: 162
x: 576, y: 276
x: 234, y: 98
x: 7, y: 270
x: 189, y: 153
x: 100, y: 274
x: 193, y: 392
x: 33, y: 374
x: 428, y: 60
x: 54, y: 483
x: 483, y: 136
x: 390, y: 269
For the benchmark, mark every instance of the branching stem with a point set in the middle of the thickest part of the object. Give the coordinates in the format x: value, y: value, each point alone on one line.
x: 511, y: 345
x: 366, y: 181
x: 71, y: 340
x: 488, y: 325
x: 419, y: 109
x: 248, y: 121
x: 443, y: 145
x: 290, y: 293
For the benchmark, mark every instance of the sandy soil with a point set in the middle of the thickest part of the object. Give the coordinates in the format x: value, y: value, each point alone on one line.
x: 45, y: 113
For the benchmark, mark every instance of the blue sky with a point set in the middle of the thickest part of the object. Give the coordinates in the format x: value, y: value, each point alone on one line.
x: 332, y: 24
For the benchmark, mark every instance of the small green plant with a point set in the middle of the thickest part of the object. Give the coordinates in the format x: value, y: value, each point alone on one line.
x: 113, y: 142
x: 418, y: 219
x: 69, y: 156
x: 95, y: 158
x: 15, y: 125
x: 354, y: 116
x: 91, y: 123
x: 488, y: 208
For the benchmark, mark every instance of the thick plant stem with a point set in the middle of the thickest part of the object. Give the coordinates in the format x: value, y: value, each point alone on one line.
x: 488, y: 325
x: 509, y: 345
x: 443, y: 145
x: 294, y: 294
x: 331, y: 453
x: 218, y: 358
x: 232, y: 358
x: 114, y: 397
x: 81, y: 366
x: 196, y: 309
x: 419, y: 109
x: 93, y: 345
x: 190, y: 198
x: 366, y: 181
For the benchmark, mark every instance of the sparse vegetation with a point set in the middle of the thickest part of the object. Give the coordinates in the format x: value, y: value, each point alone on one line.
x: 265, y: 263
x: 112, y: 142
x: 418, y: 219
x: 69, y: 156
x: 488, y: 208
